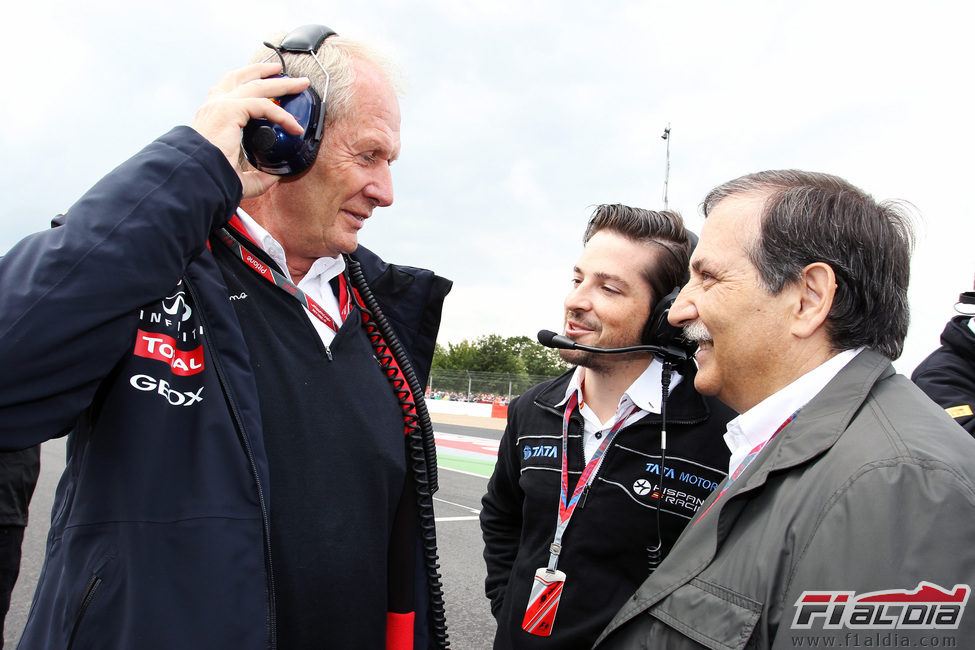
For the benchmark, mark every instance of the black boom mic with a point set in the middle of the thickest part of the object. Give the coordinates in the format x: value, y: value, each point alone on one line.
x: 550, y: 339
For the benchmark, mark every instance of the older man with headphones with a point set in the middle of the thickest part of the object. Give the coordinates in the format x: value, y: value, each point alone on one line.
x: 241, y: 473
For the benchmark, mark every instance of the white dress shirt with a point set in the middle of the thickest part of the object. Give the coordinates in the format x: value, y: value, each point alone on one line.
x: 645, y: 393
x: 759, y: 423
x: 315, y: 284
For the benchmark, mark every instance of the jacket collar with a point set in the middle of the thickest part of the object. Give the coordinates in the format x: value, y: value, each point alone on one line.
x: 959, y: 337
x: 823, y: 420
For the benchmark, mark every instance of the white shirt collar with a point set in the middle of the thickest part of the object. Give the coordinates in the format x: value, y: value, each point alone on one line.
x: 646, y: 392
x: 330, y: 267
x: 315, y: 283
x: 759, y: 423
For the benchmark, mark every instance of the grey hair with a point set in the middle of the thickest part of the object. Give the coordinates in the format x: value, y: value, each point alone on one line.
x: 810, y: 217
x: 338, y: 55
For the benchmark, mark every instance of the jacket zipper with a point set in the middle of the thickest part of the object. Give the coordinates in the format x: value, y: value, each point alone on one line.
x: 86, y: 600
x: 239, y: 423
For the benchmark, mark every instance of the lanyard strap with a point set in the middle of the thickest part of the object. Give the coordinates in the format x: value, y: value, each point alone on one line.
x: 567, y: 503
x: 746, y: 462
x: 277, y: 279
x: 383, y: 353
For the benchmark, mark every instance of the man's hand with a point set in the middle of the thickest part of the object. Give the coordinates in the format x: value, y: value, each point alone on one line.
x: 240, y: 96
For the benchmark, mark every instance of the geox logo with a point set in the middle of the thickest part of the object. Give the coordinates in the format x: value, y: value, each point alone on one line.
x: 161, y: 386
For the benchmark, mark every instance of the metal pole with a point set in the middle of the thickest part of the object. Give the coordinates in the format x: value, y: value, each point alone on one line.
x: 666, y: 136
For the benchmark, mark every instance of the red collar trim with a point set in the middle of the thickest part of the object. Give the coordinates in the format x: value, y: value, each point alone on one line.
x: 237, y: 224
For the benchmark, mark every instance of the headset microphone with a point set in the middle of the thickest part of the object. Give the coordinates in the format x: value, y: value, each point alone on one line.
x: 670, y: 355
x: 550, y: 339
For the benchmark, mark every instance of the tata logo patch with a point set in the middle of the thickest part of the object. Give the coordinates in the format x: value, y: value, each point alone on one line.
x: 163, y: 348
x: 928, y: 607
x: 541, y: 451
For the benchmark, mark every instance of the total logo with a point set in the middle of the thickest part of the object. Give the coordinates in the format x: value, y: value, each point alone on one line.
x: 161, y: 387
x: 163, y: 348
x: 927, y: 607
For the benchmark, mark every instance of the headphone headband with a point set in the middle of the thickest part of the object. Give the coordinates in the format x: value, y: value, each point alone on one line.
x: 306, y: 39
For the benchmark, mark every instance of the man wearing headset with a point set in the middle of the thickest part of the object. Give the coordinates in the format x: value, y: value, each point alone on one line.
x: 846, y: 519
x: 561, y: 560
x: 241, y: 472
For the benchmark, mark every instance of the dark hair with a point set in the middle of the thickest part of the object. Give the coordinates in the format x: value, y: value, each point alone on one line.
x: 810, y: 217
x: 663, y: 228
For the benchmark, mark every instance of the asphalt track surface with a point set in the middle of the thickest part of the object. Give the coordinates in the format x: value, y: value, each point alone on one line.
x: 466, y: 449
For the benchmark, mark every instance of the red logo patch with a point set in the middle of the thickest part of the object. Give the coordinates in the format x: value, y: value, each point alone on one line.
x: 163, y: 348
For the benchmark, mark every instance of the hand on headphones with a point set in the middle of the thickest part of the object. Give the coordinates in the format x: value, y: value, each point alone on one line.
x: 238, y: 97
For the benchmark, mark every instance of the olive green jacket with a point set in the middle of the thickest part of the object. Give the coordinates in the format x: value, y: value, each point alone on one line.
x: 871, y: 488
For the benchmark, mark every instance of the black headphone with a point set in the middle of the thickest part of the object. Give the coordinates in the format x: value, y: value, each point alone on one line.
x: 658, y: 330
x: 266, y: 145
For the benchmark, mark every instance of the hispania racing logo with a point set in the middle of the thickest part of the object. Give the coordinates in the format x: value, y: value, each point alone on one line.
x: 927, y: 607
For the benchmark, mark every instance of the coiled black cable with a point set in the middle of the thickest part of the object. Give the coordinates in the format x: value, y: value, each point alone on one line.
x: 655, y: 553
x: 422, y: 446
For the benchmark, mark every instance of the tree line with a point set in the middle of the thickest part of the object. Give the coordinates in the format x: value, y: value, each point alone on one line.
x: 493, y: 364
x: 518, y: 355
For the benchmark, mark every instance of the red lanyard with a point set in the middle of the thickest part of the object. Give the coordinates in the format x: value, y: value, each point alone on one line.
x: 567, y: 504
x: 276, y: 278
x: 386, y: 360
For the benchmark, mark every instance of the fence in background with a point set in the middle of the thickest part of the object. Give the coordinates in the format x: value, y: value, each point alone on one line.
x: 477, y: 386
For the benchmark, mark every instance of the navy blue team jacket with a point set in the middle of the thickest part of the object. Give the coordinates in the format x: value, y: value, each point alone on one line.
x: 116, y: 327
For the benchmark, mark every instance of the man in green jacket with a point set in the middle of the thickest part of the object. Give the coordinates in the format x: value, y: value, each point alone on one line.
x: 846, y: 519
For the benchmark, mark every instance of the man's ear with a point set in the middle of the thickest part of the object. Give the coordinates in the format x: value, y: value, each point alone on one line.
x: 817, y: 285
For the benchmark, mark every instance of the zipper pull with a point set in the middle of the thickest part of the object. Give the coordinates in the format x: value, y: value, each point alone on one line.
x: 328, y: 352
x: 584, y: 496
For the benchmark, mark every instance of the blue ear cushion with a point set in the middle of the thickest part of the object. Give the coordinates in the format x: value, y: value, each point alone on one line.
x: 271, y: 149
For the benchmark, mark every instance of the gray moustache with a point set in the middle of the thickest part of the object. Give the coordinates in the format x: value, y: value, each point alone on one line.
x: 697, y: 332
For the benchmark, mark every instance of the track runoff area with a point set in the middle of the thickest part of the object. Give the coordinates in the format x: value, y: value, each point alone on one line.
x: 467, y: 448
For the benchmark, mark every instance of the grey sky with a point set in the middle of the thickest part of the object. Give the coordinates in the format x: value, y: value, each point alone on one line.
x: 520, y: 116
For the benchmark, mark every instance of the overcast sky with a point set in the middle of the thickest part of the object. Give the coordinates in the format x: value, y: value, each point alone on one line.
x: 520, y: 116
